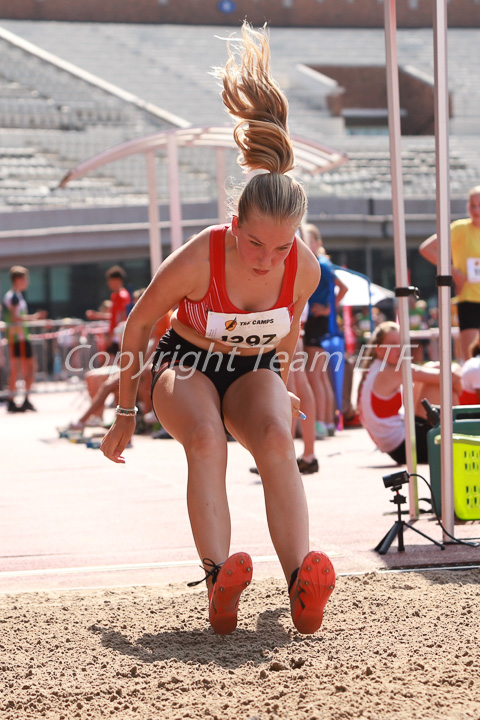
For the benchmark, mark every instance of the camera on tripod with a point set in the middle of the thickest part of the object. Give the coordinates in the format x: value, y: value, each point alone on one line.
x: 395, y: 480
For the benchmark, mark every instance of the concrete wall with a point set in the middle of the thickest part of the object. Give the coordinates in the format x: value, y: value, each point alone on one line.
x: 292, y: 13
x: 85, y: 235
x: 364, y: 87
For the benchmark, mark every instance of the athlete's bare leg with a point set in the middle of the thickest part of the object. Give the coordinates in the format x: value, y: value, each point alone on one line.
x: 258, y: 413
x: 189, y: 410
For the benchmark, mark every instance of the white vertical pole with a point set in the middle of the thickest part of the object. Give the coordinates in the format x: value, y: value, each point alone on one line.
x: 174, y: 191
x: 221, y: 183
x: 153, y: 214
x: 444, y: 260
x: 401, y: 270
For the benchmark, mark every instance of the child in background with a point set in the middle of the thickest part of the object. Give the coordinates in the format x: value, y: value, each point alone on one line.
x: 120, y: 299
x: 15, y: 314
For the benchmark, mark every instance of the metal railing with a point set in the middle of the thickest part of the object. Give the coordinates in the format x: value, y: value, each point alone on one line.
x: 64, y: 350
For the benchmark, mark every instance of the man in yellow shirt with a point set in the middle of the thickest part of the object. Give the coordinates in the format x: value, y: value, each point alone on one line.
x: 465, y: 244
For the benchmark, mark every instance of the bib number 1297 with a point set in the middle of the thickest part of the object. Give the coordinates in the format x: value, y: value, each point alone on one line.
x: 250, y: 340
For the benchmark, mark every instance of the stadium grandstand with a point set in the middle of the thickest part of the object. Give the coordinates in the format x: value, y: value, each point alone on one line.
x: 287, y: 13
x: 70, y: 90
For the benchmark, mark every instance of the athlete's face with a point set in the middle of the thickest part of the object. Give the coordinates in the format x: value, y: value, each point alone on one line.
x: 315, y: 243
x: 473, y: 208
x: 262, y: 243
x: 389, y: 349
x: 114, y: 284
x: 21, y: 283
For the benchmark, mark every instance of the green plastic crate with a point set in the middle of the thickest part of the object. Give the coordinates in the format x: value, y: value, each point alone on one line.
x: 466, y: 421
x: 466, y: 475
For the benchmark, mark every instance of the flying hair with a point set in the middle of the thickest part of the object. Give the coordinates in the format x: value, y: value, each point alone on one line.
x: 257, y: 104
x: 253, y: 98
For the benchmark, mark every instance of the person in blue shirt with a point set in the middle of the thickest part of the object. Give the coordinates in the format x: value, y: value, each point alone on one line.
x: 321, y: 321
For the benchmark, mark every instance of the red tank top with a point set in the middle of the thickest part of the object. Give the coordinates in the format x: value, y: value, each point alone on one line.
x: 194, y: 313
x: 468, y: 398
x: 386, y: 407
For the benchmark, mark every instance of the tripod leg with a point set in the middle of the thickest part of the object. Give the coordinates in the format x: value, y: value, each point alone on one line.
x: 435, y: 542
x: 386, y: 541
x: 401, y: 544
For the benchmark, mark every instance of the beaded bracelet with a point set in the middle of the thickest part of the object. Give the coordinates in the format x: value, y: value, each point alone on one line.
x: 129, y: 412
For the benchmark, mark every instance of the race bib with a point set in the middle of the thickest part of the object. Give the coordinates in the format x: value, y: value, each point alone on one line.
x: 249, y: 329
x: 473, y: 270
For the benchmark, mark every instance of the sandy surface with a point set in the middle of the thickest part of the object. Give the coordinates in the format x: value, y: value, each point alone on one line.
x: 391, y: 646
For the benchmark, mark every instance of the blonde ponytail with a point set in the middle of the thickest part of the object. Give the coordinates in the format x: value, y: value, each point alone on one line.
x: 254, y: 99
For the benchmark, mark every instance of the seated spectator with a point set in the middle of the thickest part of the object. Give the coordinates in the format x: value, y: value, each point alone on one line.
x: 94, y: 413
x: 98, y: 377
x: 380, y: 394
x: 107, y: 381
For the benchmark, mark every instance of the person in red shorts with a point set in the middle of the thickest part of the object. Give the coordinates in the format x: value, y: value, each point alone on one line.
x: 120, y: 299
x: 240, y: 289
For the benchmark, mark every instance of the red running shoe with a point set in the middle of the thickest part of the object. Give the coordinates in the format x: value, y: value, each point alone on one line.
x: 234, y: 575
x: 310, y: 591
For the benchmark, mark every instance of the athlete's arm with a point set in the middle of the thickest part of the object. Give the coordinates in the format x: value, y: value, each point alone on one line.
x: 342, y: 291
x: 177, y: 277
x: 181, y: 274
x: 96, y: 315
x: 18, y: 319
x: 428, y: 249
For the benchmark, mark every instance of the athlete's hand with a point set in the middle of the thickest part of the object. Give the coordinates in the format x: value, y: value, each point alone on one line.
x: 118, y: 437
x: 319, y: 310
x: 457, y: 385
x: 296, y: 412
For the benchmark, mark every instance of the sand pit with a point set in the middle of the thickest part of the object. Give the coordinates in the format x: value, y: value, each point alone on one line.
x: 400, y: 646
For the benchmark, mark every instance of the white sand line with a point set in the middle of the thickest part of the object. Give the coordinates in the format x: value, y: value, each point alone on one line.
x: 96, y: 569
x: 115, y: 568
x: 125, y: 567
